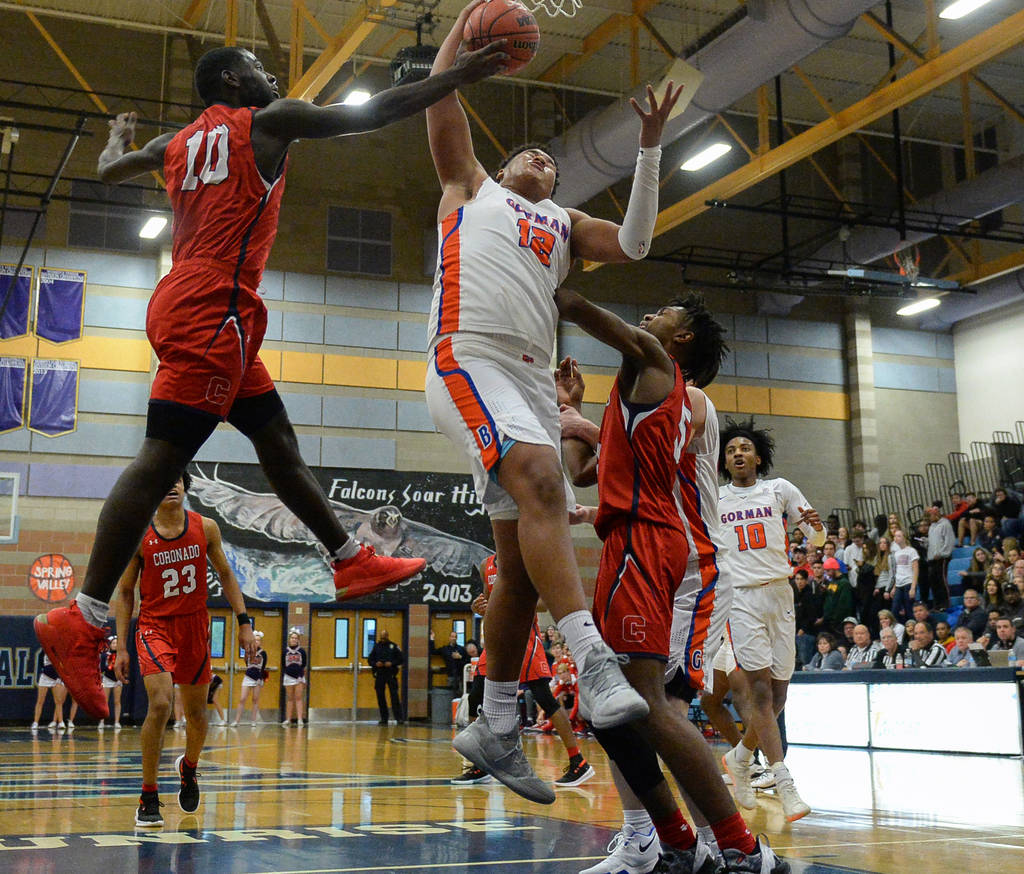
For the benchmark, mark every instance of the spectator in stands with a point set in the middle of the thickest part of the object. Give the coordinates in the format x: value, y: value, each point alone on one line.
x: 905, y: 574
x: 890, y: 653
x: 924, y: 651
x: 838, y: 597
x: 973, y: 616
x: 923, y: 614
x: 908, y: 634
x: 959, y: 508
x: 1011, y: 551
x: 853, y: 555
x: 806, y: 611
x: 846, y: 640
x: 971, y: 520
x: 919, y: 540
x: 472, y: 650
x: 832, y: 523
x: 941, y: 541
x: 993, y: 594
x: 1018, y: 581
x: 894, y: 524
x: 842, y: 537
x: 796, y: 537
x: 959, y: 655
x: 829, y: 550
x: 827, y: 658
x: 864, y: 649
x: 881, y: 527
x: 1013, y: 601
x: 455, y: 659
x: 886, y: 619
x: 977, y: 570
x: 864, y: 592
x: 990, y: 537
x: 1006, y: 638
x: 1006, y: 508
x: 943, y: 635
x: 799, y: 560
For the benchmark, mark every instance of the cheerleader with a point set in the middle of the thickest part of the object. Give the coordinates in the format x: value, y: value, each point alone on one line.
x: 295, y: 661
x: 252, y: 682
x: 48, y: 679
x: 111, y: 685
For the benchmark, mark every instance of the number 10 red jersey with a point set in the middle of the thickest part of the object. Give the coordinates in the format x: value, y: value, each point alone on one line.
x: 173, y: 580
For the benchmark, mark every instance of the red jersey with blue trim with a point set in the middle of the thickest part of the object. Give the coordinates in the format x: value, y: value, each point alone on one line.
x: 535, y: 662
x: 224, y: 210
x: 173, y: 578
x: 638, y: 459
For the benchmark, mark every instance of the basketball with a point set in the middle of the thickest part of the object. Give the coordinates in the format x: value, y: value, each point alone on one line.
x: 504, y: 19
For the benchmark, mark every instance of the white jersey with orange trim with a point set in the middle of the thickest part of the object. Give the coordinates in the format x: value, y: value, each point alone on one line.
x: 755, y: 523
x: 500, y: 260
x: 698, y: 491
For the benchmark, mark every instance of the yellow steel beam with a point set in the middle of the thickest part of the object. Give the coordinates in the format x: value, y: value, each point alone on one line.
x: 363, y: 67
x: 483, y: 125
x: 593, y: 42
x: 764, y: 128
x: 194, y: 12
x: 295, y: 48
x: 663, y: 43
x: 339, y: 49
x: 932, y: 29
x: 231, y: 22
x: 968, y: 123
x: 931, y: 75
x: 733, y: 133
x: 280, y: 62
x: 991, y: 269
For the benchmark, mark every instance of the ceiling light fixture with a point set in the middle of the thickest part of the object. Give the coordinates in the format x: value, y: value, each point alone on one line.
x: 153, y: 226
x: 918, y: 306
x: 960, y: 8
x: 706, y: 156
x: 357, y: 97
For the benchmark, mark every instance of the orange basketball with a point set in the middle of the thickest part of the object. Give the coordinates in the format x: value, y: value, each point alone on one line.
x: 504, y: 19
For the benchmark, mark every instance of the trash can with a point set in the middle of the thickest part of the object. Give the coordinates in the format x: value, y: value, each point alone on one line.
x: 440, y: 707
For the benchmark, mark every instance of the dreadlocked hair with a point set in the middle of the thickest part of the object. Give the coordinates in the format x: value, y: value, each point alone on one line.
x: 186, y: 480
x: 764, y: 445
x: 526, y: 147
x: 207, y: 76
x: 708, y: 349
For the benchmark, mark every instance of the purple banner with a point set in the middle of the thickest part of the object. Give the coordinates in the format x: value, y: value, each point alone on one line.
x: 53, y: 403
x: 60, y: 304
x: 12, y: 393
x: 14, y: 301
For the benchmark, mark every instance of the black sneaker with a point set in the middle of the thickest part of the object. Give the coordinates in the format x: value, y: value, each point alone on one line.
x: 148, y: 813
x: 188, y: 794
x: 471, y: 775
x: 579, y: 771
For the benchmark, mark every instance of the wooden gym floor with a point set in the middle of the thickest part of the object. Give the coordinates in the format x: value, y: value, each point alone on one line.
x: 358, y: 797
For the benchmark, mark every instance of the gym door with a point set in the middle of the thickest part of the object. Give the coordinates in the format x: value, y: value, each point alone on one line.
x: 370, y: 624
x: 443, y: 624
x: 333, y: 655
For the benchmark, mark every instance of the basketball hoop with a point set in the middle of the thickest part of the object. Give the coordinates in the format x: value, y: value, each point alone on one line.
x: 908, y: 263
x: 553, y: 8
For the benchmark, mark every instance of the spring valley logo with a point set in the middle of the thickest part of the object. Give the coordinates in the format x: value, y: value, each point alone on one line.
x: 51, y: 577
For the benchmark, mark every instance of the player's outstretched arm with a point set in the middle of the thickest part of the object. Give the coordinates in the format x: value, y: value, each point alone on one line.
x: 124, y: 606
x: 601, y: 240
x: 451, y: 143
x: 232, y: 591
x: 115, y: 164
x: 634, y: 343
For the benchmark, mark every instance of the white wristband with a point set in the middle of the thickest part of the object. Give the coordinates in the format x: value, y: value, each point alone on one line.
x: 637, y: 228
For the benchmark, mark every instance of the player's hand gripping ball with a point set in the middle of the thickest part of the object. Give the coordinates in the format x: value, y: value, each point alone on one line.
x: 508, y: 20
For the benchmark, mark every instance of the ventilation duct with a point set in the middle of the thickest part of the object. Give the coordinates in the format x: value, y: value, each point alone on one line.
x: 776, y: 34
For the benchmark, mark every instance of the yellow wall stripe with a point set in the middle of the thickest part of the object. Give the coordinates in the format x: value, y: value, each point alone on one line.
x: 363, y: 372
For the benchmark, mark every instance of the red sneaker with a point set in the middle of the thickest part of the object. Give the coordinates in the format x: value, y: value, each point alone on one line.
x: 73, y: 646
x: 366, y: 573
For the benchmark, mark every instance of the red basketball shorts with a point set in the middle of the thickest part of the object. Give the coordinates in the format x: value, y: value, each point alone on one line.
x: 207, y: 334
x: 179, y: 645
x: 535, y: 663
x: 641, y: 567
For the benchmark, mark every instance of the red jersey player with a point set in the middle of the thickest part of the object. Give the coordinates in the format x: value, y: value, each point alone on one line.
x: 173, y: 636
x: 225, y: 178
x: 647, y: 424
x: 535, y: 675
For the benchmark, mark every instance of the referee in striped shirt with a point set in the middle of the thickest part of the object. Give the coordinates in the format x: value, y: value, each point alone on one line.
x: 924, y: 652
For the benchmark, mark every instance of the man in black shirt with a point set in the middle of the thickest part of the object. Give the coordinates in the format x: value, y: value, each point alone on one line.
x: 974, y: 616
x: 386, y: 658
x: 455, y: 659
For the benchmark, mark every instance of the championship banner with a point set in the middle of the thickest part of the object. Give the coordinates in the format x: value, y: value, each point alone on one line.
x: 53, y: 400
x: 14, y: 301
x: 60, y: 304
x: 12, y: 393
x: 435, y: 516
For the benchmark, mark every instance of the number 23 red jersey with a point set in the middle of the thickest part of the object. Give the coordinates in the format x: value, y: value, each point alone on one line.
x: 173, y: 579
x: 224, y: 209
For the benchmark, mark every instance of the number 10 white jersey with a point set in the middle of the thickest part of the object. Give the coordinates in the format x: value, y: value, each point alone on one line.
x: 755, y: 525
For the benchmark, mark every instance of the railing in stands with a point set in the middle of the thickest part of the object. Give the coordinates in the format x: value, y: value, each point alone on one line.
x: 986, y: 478
x: 938, y: 481
x: 845, y: 515
x: 960, y: 469
x: 892, y: 498
x: 867, y: 507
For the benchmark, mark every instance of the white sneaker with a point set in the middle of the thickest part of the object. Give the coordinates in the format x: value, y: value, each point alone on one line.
x: 764, y: 780
x: 792, y: 804
x: 606, y: 698
x: 117, y: 726
x: 52, y: 725
x: 71, y: 725
x: 630, y: 852
x: 286, y: 722
x: 233, y: 724
x: 101, y: 725
x: 740, y: 773
x: 35, y: 726
x: 61, y: 726
x: 301, y: 723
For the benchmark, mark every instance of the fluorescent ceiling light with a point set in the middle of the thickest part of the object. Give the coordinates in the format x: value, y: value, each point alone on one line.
x: 918, y: 306
x: 356, y: 98
x: 960, y: 8
x: 153, y: 226
x: 705, y: 157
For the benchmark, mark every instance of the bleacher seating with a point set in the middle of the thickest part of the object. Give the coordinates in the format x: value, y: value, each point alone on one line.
x: 953, y: 578
x: 962, y: 552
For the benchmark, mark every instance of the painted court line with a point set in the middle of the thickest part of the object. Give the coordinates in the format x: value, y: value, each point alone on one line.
x: 436, y: 866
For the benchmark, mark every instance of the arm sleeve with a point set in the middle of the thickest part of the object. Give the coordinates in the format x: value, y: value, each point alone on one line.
x: 792, y: 500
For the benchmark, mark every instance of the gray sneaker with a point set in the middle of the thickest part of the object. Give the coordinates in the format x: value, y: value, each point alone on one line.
x: 606, y: 698
x: 761, y: 861
x: 501, y: 756
x: 699, y: 860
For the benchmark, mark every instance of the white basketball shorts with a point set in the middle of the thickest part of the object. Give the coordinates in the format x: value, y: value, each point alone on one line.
x: 763, y: 628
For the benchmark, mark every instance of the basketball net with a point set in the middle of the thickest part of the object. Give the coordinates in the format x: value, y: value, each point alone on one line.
x: 554, y: 7
x: 908, y: 262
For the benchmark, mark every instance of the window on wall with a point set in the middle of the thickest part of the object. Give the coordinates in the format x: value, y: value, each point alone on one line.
x: 459, y: 627
x: 106, y: 216
x: 217, y: 629
x: 369, y: 635
x: 341, y: 638
x: 359, y: 241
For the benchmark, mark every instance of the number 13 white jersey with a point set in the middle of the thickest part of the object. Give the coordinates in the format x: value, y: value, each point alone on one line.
x: 755, y: 525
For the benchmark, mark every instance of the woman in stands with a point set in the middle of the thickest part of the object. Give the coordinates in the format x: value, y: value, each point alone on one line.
x: 894, y: 524
x: 977, y: 570
x: 887, y: 619
x: 993, y: 594
x: 842, y: 538
x: 827, y: 658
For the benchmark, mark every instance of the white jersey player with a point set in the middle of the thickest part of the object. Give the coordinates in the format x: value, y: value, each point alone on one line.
x: 504, y: 248
x: 755, y: 516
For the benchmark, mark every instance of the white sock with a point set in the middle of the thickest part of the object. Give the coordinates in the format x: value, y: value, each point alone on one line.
x: 743, y: 754
x: 781, y: 772
x: 348, y: 550
x: 500, y: 705
x: 94, y: 611
x: 638, y: 820
x: 580, y: 633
